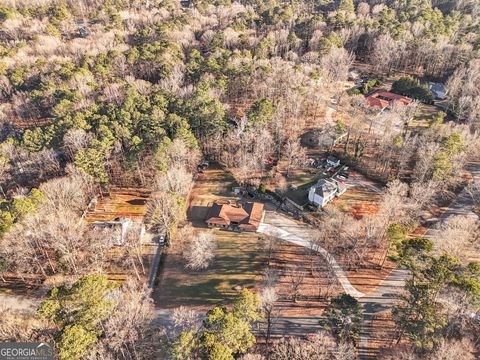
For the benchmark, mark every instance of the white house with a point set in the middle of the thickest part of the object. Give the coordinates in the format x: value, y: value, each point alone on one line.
x: 438, y: 90
x: 324, y: 191
x: 119, y: 229
x: 333, y: 161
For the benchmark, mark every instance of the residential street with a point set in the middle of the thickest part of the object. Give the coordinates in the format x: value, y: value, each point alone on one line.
x: 376, y: 331
x: 384, y: 297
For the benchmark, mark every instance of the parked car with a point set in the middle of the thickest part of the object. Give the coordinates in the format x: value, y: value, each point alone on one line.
x: 342, y: 180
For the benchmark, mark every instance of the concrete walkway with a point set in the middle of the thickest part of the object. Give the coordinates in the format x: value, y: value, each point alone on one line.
x: 277, y: 232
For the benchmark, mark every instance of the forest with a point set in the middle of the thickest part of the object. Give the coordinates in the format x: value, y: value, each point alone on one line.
x: 102, y: 95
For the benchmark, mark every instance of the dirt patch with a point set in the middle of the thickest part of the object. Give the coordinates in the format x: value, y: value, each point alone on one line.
x: 360, y: 210
x: 295, y: 264
x: 120, y: 202
x: 212, y: 185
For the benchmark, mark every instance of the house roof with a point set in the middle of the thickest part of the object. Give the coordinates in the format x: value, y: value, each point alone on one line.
x: 437, y: 89
x: 247, y: 215
x: 324, y: 188
x: 385, y: 98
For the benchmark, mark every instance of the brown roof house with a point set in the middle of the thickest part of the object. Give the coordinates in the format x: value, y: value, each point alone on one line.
x: 233, y: 216
x: 383, y: 99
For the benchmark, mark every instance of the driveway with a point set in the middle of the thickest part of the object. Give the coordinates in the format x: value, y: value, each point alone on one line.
x: 281, y: 227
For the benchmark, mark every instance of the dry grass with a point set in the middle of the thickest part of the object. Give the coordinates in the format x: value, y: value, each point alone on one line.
x: 238, y: 258
x: 360, y: 199
x: 238, y: 263
x: 120, y: 202
x: 315, y: 287
x: 214, y: 184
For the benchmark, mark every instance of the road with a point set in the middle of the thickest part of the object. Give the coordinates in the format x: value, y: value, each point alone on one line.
x: 374, y: 305
x: 379, y: 302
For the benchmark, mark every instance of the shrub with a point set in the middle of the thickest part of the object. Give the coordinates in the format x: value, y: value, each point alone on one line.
x: 411, y: 87
x: 262, y: 188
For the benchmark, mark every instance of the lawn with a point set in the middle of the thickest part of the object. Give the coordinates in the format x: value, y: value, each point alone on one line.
x: 212, y: 185
x: 300, y: 195
x: 238, y: 258
x: 361, y: 197
x: 238, y: 262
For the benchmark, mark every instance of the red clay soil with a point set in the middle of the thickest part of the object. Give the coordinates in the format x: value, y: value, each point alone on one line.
x: 360, y: 210
x: 383, y: 333
x: 289, y: 261
x: 367, y: 278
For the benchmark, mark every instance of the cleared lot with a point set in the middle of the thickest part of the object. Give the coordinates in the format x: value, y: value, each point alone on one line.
x: 238, y: 263
x: 238, y: 260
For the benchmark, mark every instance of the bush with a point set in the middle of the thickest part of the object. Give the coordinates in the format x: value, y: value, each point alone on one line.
x: 366, y: 87
x: 262, y: 188
x: 411, y: 87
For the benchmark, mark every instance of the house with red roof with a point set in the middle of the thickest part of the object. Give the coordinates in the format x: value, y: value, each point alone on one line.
x: 383, y: 99
x: 233, y: 216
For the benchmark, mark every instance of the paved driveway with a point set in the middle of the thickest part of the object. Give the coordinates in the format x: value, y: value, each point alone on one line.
x: 281, y: 227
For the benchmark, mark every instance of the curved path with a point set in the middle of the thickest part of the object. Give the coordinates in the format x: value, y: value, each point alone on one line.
x: 280, y: 233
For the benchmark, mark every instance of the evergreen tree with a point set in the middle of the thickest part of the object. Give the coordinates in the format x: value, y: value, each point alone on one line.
x: 343, y: 317
x: 78, y: 311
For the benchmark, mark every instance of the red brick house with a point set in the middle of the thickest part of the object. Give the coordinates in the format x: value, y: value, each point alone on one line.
x: 383, y: 99
x: 234, y: 216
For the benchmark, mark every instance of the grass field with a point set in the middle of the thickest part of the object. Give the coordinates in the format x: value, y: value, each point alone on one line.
x: 238, y: 258
x: 361, y: 197
x: 238, y: 262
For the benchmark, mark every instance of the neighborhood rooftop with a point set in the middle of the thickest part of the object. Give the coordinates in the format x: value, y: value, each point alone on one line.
x: 383, y: 99
x: 245, y: 216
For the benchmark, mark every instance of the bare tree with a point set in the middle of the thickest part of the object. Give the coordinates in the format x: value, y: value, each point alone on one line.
x: 185, y: 319
x: 75, y: 140
x: 319, y: 346
x: 269, y: 298
x: 296, y: 277
x: 164, y: 212
x: 464, y: 92
x: 176, y: 179
x: 458, y: 236
x: 294, y: 154
x: 336, y: 64
x: 269, y: 244
x: 127, y: 329
x: 201, y: 251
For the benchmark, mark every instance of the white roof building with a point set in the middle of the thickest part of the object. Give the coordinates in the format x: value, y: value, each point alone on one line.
x: 324, y: 191
x: 438, y: 90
